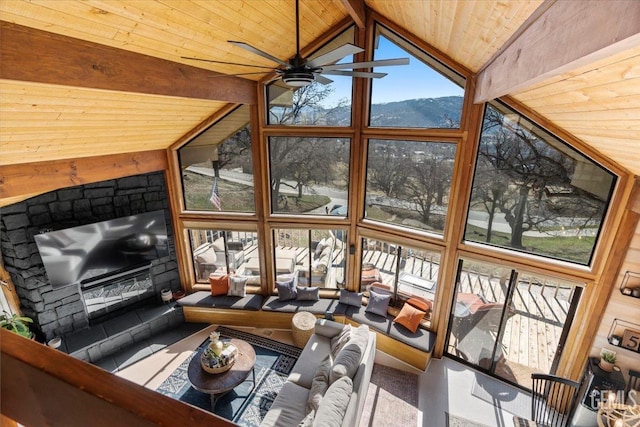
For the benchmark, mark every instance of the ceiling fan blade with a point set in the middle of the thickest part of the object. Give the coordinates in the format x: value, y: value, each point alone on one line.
x: 334, y: 55
x: 370, y: 64
x: 355, y: 74
x: 258, y: 52
x: 224, y: 62
x: 322, y: 80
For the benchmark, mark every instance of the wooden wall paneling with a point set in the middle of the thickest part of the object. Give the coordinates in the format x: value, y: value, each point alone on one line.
x: 30, y: 178
x: 43, y: 386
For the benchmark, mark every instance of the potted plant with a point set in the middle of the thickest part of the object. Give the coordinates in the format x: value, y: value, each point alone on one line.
x: 607, y: 360
x: 16, y: 324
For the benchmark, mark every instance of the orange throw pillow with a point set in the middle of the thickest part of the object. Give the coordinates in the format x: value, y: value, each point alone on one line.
x: 219, y: 284
x: 420, y: 303
x: 409, y: 317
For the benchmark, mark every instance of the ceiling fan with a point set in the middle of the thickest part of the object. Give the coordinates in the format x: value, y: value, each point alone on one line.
x: 299, y: 71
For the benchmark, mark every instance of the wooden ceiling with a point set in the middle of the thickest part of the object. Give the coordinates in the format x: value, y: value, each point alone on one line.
x: 52, y: 118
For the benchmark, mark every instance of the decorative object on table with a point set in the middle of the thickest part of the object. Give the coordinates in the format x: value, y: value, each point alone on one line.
x: 607, y: 360
x: 218, y: 356
x: 16, y: 324
x: 55, y: 342
x: 178, y: 294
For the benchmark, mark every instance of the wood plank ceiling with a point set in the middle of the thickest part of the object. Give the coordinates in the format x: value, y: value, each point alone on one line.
x: 599, y: 102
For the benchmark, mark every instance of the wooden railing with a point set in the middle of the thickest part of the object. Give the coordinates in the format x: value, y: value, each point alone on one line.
x: 42, y: 386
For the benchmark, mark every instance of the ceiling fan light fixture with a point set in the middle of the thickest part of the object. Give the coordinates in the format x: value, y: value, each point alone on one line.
x: 298, y: 79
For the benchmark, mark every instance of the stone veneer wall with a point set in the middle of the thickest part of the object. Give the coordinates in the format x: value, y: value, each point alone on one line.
x: 59, y: 311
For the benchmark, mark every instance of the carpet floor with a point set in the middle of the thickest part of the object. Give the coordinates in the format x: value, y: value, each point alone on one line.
x: 456, y: 421
x: 247, y: 404
x: 392, y: 398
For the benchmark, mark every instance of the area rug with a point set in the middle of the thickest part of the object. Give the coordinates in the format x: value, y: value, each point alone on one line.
x: 246, y: 405
x: 392, y: 398
x: 456, y: 421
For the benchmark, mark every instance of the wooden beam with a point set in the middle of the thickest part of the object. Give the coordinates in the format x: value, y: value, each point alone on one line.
x: 40, y: 177
x: 356, y: 9
x: 566, y: 36
x: 34, y: 55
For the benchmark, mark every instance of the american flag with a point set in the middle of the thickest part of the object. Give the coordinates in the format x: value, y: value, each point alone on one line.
x: 215, y: 195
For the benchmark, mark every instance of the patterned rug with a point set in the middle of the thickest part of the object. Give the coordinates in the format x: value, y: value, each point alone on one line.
x: 392, y: 398
x: 246, y: 405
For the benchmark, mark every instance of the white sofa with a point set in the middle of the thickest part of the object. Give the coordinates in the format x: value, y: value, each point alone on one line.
x: 339, y: 406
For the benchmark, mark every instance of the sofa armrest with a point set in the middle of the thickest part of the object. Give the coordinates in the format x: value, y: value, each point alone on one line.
x: 328, y: 328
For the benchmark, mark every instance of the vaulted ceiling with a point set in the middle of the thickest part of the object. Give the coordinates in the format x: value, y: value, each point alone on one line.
x: 62, y: 98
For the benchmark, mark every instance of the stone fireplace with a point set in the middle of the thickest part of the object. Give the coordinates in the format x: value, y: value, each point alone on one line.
x: 63, y: 310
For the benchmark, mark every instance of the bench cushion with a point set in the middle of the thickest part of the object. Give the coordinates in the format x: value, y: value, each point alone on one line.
x: 422, y: 339
x: 205, y: 299
x: 293, y: 306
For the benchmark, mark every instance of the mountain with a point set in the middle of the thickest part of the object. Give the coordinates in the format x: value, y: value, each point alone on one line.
x: 413, y: 113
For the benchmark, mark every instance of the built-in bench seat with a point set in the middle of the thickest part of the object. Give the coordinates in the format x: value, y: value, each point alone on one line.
x: 205, y: 299
x: 395, y: 340
x: 320, y: 306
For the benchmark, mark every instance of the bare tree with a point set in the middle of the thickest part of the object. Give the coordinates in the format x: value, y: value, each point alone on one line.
x: 386, y: 169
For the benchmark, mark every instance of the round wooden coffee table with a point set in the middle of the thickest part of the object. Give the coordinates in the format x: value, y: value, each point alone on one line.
x: 218, y: 385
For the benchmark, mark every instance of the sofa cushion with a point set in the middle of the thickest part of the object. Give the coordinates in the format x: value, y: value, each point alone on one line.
x: 205, y: 299
x: 237, y: 286
x: 340, y: 340
x: 333, y: 406
x: 409, y: 317
x: 312, y: 355
x: 320, y: 306
x: 288, y: 408
x: 350, y: 298
x: 308, y: 293
x: 348, y: 359
x: 219, y: 284
x: 378, y: 303
x: 319, y: 384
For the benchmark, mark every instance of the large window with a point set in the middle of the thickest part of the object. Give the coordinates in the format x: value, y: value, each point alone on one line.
x: 325, y: 102
x: 510, y: 322
x: 408, y: 183
x: 309, y: 175
x: 316, y: 256
x: 403, y: 271
x: 534, y: 193
x: 217, y: 166
x: 423, y: 94
x: 224, y: 252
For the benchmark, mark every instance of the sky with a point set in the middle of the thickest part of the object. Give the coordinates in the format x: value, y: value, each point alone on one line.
x: 412, y: 81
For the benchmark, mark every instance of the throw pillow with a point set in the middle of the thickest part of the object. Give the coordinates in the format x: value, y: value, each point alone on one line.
x: 219, y: 284
x: 378, y: 303
x: 333, y: 407
x: 348, y: 359
x: 410, y: 317
x: 237, y: 286
x: 319, y: 384
x: 340, y: 340
x: 308, y: 293
x: 319, y: 248
x: 286, y: 290
x: 420, y: 303
x: 350, y: 298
